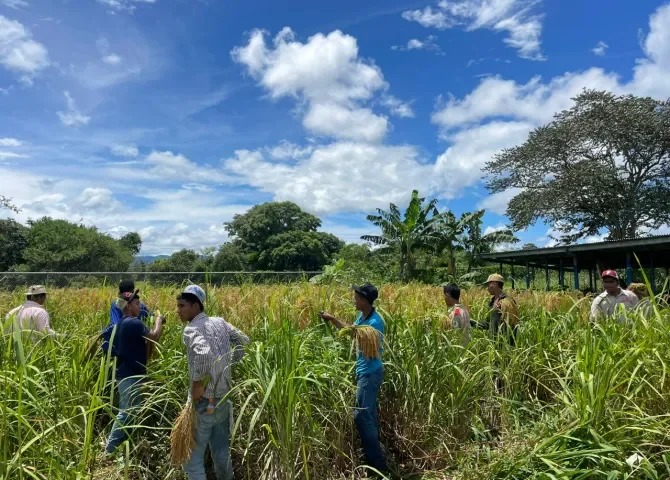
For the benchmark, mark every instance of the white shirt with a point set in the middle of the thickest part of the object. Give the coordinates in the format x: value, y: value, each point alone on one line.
x: 460, y: 318
x: 605, y: 305
x: 32, y: 316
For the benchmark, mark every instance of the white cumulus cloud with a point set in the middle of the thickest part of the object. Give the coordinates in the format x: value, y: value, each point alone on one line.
x: 600, y: 49
x: 19, y: 53
x: 523, y: 28
x: 415, y: 44
x: 325, y: 75
x: 10, y: 142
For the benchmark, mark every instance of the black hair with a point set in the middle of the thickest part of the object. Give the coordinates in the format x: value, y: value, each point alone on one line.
x: 190, y: 298
x: 453, y: 291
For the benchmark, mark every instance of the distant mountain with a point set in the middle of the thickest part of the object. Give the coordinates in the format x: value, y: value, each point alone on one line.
x: 149, y: 258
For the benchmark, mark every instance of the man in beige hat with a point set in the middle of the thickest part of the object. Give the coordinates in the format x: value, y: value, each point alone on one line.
x: 504, y: 311
x: 32, y: 315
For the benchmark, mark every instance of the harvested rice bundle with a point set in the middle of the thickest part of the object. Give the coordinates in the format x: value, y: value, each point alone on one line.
x: 368, y: 339
x: 182, y: 437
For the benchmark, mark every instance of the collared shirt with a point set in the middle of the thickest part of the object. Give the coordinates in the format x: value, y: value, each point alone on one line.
x: 605, y: 305
x: 369, y: 365
x: 504, y: 311
x: 459, y: 317
x: 212, y: 346
x: 32, y: 316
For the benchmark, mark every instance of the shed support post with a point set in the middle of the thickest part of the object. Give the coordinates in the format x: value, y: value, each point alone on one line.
x: 629, y: 269
x: 561, y: 274
x: 512, y: 274
x: 527, y: 276
x: 575, y: 269
x: 546, y: 273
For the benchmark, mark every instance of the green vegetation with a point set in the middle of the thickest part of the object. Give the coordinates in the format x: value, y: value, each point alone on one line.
x: 602, y: 165
x: 577, y: 401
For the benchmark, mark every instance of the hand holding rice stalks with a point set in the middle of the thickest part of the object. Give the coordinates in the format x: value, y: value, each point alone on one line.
x: 368, y: 338
x: 182, y: 437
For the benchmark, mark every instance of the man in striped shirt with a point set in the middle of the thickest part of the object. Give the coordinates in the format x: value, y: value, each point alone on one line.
x: 212, y: 347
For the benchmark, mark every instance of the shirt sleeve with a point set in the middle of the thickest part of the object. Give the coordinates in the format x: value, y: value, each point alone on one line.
x: 43, y: 323
x: 633, y: 300
x: 114, y: 315
x: 138, y: 328
x: 510, y: 314
x: 199, y: 353
x: 596, y: 311
x: 238, y: 340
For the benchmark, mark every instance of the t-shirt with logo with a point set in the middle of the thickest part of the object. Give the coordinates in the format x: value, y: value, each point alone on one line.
x: 132, y: 348
x: 369, y: 365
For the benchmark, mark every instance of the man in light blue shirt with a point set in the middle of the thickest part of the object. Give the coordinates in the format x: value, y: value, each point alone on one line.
x: 369, y: 375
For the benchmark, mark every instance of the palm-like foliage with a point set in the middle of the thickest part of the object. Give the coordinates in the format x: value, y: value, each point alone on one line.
x: 417, y: 229
x: 475, y: 243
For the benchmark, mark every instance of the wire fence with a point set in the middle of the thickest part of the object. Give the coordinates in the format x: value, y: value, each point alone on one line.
x: 14, y: 280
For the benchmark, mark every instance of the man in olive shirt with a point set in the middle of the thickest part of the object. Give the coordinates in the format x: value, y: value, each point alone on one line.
x: 504, y: 311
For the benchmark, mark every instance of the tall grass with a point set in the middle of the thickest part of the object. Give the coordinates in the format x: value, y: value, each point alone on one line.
x: 570, y: 401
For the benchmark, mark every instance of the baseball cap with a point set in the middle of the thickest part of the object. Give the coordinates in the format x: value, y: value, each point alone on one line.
x: 197, y: 291
x: 126, y: 286
x: 125, y: 298
x: 495, y: 277
x: 610, y: 273
x: 36, y: 290
x: 367, y: 291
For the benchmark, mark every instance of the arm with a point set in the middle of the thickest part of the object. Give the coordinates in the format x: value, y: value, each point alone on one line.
x: 338, y: 323
x: 509, y: 312
x: 201, y: 359
x: 596, y: 311
x: 238, y: 340
x: 43, y: 323
x: 157, y: 331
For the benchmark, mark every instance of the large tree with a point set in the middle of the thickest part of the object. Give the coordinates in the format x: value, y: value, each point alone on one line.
x: 604, y: 164
x: 417, y: 229
x: 13, y: 241
x: 280, y: 236
x: 59, y: 245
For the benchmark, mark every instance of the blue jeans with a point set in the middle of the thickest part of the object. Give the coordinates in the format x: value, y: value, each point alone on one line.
x: 365, y: 417
x: 129, y: 402
x: 211, y: 429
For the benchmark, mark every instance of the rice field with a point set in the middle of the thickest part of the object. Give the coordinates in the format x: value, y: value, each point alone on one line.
x: 571, y: 401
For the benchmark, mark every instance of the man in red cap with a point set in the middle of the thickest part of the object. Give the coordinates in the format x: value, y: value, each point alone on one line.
x: 607, y: 303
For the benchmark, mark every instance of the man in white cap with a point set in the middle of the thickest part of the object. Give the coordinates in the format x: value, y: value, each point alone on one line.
x: 607, y: 303
x: 32, y: 315
x: 212, y: 347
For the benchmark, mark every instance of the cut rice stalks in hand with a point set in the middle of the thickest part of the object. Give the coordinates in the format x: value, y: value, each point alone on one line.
x: 368, y: 339
x: 182, y: 437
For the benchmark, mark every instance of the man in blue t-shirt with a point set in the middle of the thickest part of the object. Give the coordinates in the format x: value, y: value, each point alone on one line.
x: 131, y: 365
x: 369, y: 374
x: 115, y: 316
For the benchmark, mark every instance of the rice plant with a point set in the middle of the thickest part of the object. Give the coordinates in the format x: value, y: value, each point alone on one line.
x: 571, y: 400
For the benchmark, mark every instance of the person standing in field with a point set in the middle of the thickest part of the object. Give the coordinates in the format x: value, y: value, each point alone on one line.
x: 606, y: 304
x: 504, y: 311
x: 459, y: 316
x: 32, y: 315
x: 369, y: 375
x: 131, y: 366
x: 115, y: 316
x: 212, y: 347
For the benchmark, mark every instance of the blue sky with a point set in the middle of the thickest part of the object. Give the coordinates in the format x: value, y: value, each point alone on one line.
x: 167, y: 117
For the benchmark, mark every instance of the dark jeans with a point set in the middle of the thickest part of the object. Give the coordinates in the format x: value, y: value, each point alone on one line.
x: 365, y: 417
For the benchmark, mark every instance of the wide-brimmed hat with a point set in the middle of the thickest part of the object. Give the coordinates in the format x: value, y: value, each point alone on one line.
x: 36, y: 290
x: 495, y: 277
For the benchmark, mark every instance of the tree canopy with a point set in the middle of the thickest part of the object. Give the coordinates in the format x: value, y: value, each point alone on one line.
x: 604, y: 164
x: 13, y: 242
x: 59, y: 245
x: 280, y: 236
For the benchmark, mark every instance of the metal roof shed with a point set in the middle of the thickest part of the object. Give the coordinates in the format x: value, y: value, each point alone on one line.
x: 652, y: 252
